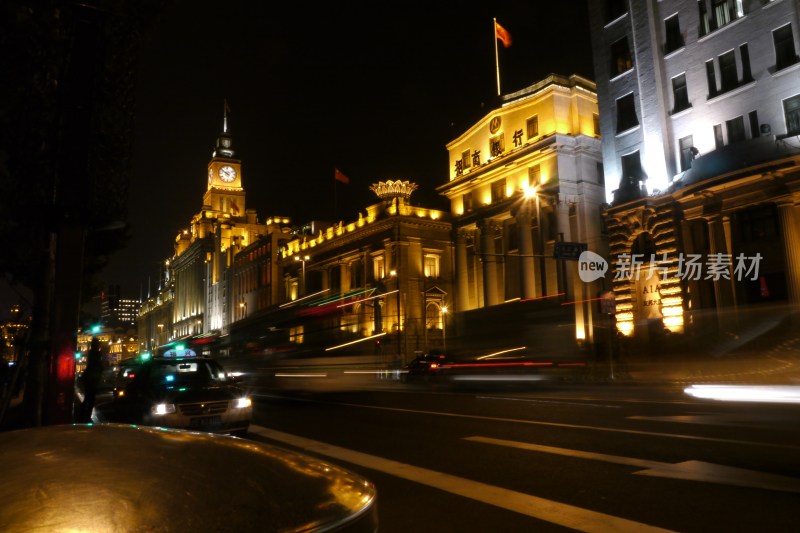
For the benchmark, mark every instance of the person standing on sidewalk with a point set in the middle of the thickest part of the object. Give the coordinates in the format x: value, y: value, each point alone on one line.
x: 91, y: 380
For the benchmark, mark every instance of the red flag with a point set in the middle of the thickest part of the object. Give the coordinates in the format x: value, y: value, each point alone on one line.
x: 338, y: 176
x: 502, y: 34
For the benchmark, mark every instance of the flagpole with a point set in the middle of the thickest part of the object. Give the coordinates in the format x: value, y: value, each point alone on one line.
x: 496, y: 55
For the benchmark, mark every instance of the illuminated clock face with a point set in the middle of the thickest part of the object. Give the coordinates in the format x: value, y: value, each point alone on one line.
x: 227, y: 174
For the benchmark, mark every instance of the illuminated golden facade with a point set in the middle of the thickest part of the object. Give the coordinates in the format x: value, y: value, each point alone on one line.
x: 379, y: 284
x: 527, y: 176
x: 196, y: 287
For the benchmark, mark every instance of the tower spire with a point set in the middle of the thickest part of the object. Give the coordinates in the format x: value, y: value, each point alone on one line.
x: 224, y: 146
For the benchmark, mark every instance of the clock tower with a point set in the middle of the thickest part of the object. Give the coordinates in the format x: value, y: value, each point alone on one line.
x: 225, y: 193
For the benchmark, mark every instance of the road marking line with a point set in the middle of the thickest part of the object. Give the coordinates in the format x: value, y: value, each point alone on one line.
x: 533, y: 506
x: 688, y: 470
x: 547, y: 400
x: 549, y: 424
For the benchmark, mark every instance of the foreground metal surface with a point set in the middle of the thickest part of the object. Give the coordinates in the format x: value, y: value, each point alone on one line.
x: 112, y: 477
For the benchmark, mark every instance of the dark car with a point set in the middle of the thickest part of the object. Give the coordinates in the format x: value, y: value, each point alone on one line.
x: 114, y: 477
x: 184, y: 393
x: 428, y: 367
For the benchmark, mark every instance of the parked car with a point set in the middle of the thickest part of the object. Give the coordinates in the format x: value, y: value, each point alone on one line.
x: 185, y: 393
x: 114, y: 477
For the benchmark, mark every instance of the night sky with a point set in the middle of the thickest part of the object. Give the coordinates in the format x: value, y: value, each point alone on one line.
x: 376, y: 92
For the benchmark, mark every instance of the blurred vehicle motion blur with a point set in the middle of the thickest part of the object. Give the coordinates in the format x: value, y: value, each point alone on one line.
x: 178, y: 392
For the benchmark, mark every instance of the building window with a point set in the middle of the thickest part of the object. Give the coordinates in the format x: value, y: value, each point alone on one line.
x: 632, y: 166
x: 744, y: 54
x: 719, y: 142
x: 673, y: 34
x: 615, y: 9
x: 679, y: 93
x: 784, y: 47
x: 431, y: 265
x: 712, y: 78
x: 596, y: 124
x: 791, y: 108
x: 379, y: 267
x: 296, y: 334
x: 686, y: 146
x: 601, y: 177
x: 626, y: 113
x: 533, y: 127
x: 465, y: 159
x: 499, y: 190
x: 621, y: 60
x: 722, y: 14
x: 466, y: 202
x: 496, y: 146
x: 735, y: 128
x: 705, y: 25
x: 754, y: 127
x: 727, y: 71
x: 534, y: 175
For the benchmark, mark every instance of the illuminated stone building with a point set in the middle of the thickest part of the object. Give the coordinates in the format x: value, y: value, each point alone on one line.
x: 700, y: 116
x: 378, y: 285
x: 197, y: 288
x: 523, y: 178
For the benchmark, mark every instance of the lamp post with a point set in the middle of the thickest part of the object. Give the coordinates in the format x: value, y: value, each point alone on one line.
x: 303, y: 260
x: 444, y: 330
x: 394, y: 274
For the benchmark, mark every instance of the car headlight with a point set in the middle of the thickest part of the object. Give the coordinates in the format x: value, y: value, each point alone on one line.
x: 241, y: 403
x: 163, y: 408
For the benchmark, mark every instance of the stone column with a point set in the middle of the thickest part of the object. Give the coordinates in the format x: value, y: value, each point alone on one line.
x: 462, y: 270
x: 526, y: 262
x: 722, y: 288
x: 790, y: 227
x: 566, y: 268
x: 488, y: 251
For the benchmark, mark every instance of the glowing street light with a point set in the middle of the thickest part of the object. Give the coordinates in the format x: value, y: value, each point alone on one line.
x: 303, y: 259
x: 444, y: 329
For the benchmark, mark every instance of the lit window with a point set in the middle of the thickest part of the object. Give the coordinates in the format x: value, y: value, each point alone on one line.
x: 465, y: 159
x: 467, y: 202
x: 379, y: 266
x: 499, y: 190
x: 621, y: 60
x: 533, y: 127
x: 431, y: 265
x: 534, y: 175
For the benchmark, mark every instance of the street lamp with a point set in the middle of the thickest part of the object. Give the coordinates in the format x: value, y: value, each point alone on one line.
x: 444, y: 330
x: 303, y: 260
x: 393, y: 273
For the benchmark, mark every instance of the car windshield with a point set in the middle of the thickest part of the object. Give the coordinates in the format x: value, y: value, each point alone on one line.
x: 186, y: 373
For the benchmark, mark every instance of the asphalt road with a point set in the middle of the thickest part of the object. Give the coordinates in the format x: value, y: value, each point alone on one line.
x: 551, y: 457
